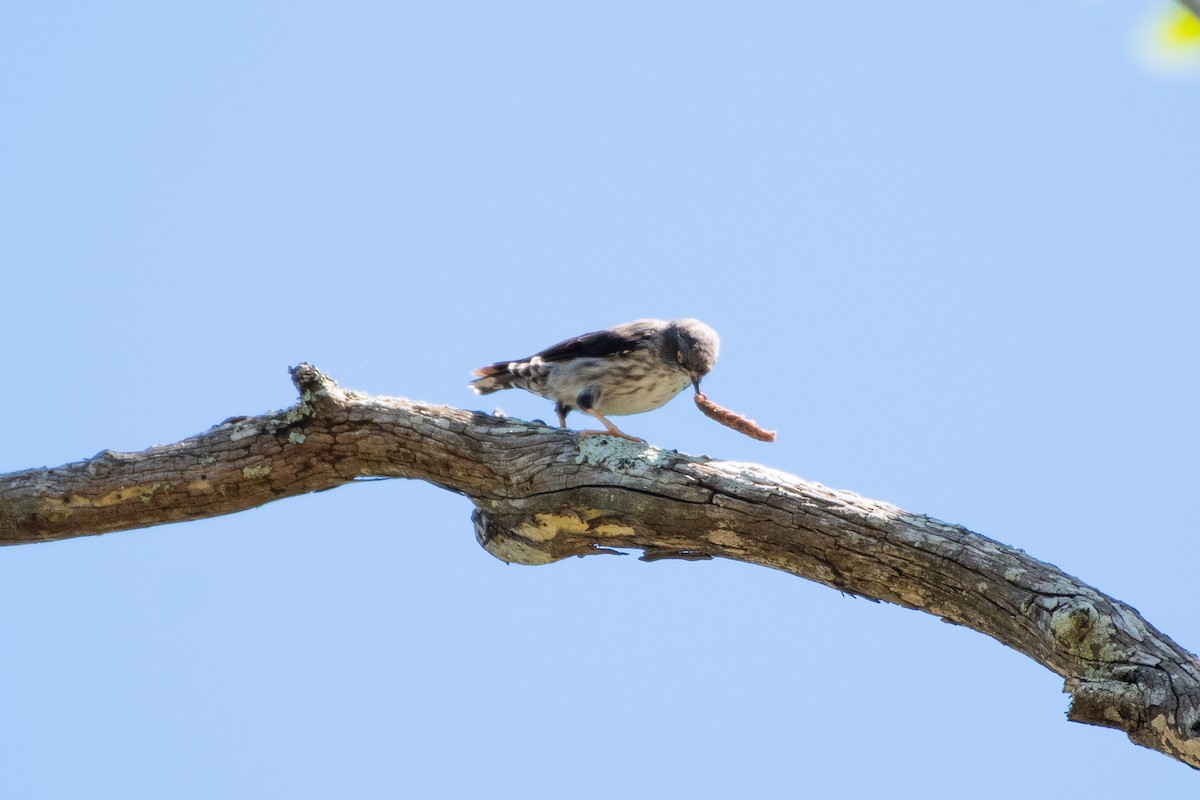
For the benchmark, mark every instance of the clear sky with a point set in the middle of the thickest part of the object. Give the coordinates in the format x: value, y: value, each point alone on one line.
x: 950, y: 248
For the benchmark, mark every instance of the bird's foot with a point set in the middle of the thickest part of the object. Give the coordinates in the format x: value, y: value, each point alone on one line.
x: 609, y: 428
x: 614, y: 432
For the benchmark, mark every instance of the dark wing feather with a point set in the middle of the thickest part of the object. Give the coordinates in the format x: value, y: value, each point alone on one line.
x: 608, y: 342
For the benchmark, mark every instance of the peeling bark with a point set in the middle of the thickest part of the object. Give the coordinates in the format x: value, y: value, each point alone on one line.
x: 543, y: 494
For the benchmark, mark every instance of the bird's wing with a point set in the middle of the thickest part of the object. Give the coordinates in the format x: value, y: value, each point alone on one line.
x: 608, y: 342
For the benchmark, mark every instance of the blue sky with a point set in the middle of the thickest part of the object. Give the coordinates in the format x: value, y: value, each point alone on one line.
x: 951, y: 252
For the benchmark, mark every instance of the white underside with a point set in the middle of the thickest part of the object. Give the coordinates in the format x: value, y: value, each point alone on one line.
x: 630, y: 397
x: 646, y: 399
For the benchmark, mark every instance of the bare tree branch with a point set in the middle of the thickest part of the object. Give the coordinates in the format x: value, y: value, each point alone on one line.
x: 543, y: 494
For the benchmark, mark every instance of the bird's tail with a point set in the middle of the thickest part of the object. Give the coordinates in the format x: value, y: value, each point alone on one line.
x: 492, y: 378
x: 529, y: 374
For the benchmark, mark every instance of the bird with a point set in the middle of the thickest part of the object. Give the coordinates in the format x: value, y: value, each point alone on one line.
x: 626, y: 369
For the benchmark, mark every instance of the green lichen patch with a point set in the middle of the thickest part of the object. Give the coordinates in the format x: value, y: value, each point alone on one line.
x: 622, y: 455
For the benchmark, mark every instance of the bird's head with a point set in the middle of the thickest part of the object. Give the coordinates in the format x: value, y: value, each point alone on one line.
x: 692, y: 345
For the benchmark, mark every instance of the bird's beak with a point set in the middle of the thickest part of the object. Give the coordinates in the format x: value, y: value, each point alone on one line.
x: 696, y: 381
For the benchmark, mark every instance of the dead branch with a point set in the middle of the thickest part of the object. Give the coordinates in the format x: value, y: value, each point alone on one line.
x: 543, y: 494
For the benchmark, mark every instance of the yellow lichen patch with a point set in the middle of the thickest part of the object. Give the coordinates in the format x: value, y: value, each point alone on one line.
x: 724, y: 538
x: 546, y: 526
x: 1190, y: 747
x: 258, y: 471
x: 142, y: 492
x: 603, y: 523
x: 612, y: 529
x: 114, y: 497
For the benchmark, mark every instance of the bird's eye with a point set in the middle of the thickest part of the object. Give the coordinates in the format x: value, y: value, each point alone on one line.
x: 679, y: 357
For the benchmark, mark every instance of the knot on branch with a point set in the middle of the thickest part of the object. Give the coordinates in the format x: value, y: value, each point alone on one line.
x: 315, y: 387
x: 1081, y: 630
x: 317, y: 392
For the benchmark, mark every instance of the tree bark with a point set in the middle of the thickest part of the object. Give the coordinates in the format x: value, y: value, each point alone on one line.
x: 543, y: 494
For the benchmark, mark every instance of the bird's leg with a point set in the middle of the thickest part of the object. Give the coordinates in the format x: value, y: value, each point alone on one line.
x: 562, y: 414
x: 613, y: 430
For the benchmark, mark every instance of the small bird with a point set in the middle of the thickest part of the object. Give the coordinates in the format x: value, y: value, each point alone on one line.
x: 626, y: 369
